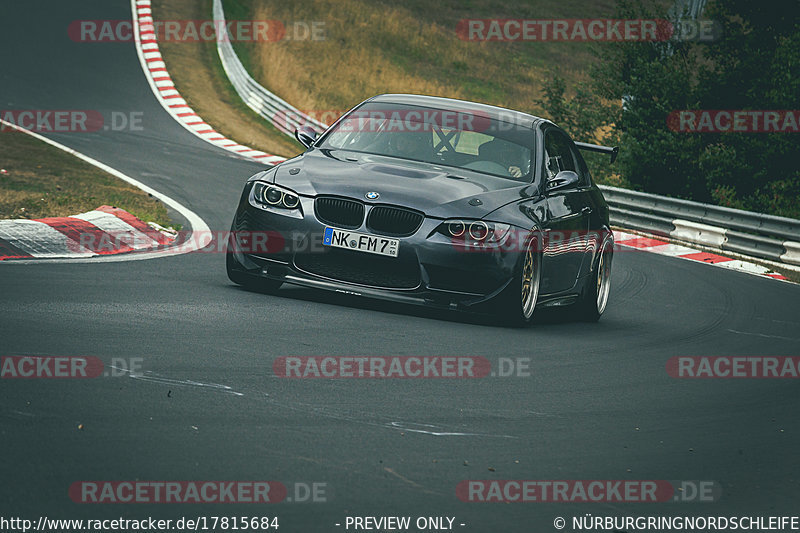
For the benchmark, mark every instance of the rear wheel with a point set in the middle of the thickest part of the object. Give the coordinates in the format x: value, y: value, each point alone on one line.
x: 517, y: 302
x: 594, y: 299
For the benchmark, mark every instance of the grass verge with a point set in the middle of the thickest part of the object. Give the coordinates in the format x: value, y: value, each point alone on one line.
x: 368, y: 48
x: 198, y: 75
x: 42, y: 181
x: 382, y: 46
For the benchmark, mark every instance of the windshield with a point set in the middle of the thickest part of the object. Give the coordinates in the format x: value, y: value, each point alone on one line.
x: 462, y: 139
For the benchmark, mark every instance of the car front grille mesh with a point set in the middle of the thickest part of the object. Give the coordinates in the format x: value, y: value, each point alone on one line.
x: 383, y: 220
x: 339, y: 212
x: 393, y: 221
x: 362, y: 268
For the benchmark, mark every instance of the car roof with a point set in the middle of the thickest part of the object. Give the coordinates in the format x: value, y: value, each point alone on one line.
x: 497, y: 113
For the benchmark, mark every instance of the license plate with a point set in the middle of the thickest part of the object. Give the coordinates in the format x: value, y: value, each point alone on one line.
x: 360, y: 242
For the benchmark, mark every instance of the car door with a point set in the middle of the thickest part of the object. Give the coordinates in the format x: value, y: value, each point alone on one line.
x: 568, y: 213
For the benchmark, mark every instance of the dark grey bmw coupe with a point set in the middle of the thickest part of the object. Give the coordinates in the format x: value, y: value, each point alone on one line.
x: 432, y: 201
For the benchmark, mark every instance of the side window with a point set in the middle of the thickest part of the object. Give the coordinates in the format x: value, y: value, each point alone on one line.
x: 583, y: 169
x: 558, y: 154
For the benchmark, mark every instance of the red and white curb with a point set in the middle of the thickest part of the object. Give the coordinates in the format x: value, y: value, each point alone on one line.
x: 105, y: 231
x: 649, y: 244
x: 155, y: 71
x: 199, y: 236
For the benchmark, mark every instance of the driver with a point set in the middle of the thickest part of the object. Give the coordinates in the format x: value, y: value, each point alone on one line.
x: 503, y: 153
x: 410, y: 145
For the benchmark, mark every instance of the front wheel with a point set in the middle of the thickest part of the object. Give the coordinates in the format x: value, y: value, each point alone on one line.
x: 592, y: 303
x: 517, y: 302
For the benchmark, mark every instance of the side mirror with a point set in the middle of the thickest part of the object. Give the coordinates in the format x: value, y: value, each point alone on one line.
x: 306, y: 135
x: 563, y: 180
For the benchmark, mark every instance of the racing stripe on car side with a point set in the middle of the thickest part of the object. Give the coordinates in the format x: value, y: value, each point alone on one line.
x: 164, y: 89
x: 649, y: 244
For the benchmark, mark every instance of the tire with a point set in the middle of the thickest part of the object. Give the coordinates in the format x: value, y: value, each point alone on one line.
x: 248, y: 281
x: 592, y: 303
x: 517, y: 302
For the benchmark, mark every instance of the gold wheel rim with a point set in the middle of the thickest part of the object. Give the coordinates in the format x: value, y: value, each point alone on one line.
x: 530, y: 281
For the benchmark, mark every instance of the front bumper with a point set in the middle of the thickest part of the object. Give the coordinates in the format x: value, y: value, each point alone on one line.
x: 429, y: 270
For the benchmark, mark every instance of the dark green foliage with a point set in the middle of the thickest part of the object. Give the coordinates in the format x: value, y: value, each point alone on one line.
x: 753, y: 65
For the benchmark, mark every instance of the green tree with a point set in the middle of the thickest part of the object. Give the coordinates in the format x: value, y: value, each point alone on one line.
x: 753, y: 64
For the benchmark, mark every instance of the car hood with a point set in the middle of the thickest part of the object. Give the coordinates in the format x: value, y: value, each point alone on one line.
x: 438, y: 191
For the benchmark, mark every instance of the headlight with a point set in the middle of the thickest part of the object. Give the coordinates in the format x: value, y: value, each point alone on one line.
x: 475, y: 231
x: 274, y: 196
x: 479, y: 230
x: 456, y: 228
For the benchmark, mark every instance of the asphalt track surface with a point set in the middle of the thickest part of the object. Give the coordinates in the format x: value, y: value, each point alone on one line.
x: 598, y: 405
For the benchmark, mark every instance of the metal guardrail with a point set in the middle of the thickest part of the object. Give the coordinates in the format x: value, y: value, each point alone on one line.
x: 744, y: 232
x: 285, y: 117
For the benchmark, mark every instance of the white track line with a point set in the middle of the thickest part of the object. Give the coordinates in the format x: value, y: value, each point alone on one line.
x: 200, y: 232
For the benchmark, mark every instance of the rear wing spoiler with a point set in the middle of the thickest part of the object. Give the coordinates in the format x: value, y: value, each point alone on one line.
x: 612, y: 151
